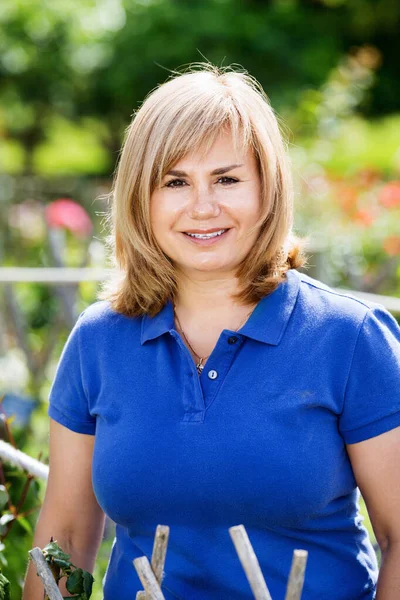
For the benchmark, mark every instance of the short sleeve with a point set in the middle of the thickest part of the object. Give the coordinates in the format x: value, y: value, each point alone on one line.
x: 68, y: 401
x: 372, y: 394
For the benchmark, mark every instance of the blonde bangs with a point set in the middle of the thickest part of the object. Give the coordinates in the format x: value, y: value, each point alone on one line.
x: 183, y: 115
x: 192, y: 124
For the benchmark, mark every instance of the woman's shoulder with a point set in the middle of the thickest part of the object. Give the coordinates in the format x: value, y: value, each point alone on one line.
x: 338, y: 310
x: 101, y: 314
x: 331, y: 301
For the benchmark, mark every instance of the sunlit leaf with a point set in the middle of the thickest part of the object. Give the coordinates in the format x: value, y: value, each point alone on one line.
x: 25, y: 524
x: 3, y: 559
x: 3, y: 496
x: 53, y: 550
x: 6, y: 518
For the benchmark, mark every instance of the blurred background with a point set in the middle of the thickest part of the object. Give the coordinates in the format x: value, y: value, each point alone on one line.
x: 71, y: 75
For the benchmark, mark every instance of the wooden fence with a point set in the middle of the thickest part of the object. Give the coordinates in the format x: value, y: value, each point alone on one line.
x: 151, y: 573
x: 73, y: 276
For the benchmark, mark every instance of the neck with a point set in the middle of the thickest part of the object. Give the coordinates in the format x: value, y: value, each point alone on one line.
x: 198, y: 296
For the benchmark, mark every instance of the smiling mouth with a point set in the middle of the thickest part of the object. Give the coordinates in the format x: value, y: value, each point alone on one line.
x: 206, y: 236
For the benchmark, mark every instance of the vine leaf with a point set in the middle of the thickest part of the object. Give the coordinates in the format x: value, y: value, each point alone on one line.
x: 53, y: 553
x: 80, y: 582
x: 25, y: 524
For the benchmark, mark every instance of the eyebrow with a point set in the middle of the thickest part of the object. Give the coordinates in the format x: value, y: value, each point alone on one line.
x: 219, y: 171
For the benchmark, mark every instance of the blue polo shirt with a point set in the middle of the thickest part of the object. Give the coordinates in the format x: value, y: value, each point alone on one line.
x: 259, y: 439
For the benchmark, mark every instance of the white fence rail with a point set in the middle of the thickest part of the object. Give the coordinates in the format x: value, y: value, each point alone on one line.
x: 70, y: 276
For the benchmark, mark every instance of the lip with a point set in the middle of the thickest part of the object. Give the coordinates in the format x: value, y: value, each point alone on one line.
x: 206, y: 242
x: 205, y: 230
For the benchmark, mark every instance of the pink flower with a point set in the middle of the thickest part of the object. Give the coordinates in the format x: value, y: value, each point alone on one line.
x: 67, y: 214
x: 392, y: 245
x: 364, y: 217
x: 389, y: 196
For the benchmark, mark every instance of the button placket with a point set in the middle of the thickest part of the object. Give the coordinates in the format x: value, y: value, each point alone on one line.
x: 219, y: 365
x: 193, y: 396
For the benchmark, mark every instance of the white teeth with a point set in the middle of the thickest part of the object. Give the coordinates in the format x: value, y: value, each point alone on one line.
x: 206, y: 236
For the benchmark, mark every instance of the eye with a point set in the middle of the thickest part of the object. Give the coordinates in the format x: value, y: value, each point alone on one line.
x: 227, y: 180
x: 175, y: 183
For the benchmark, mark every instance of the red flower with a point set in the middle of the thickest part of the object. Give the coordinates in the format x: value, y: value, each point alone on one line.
x: 389, y: 196
x: 347, y: 196
x: 364, y: 217
x: 67, y: 214
x: 392, y: 245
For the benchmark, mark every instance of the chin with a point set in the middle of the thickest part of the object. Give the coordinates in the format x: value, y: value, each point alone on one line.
x: 209, y: 268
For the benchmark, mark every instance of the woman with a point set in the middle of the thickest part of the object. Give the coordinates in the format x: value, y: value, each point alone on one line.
x: 214, y: 384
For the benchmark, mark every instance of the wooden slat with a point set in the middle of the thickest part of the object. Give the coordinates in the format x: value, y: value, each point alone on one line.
x: 67, y: 275
x: 158, y: 557
x: 391, y: 303
x: 296, y: 578
x: 45, y: 574
x: 52, y: 275
x: 147, y: 578
x: 23, y: 461
x: 249, y: 562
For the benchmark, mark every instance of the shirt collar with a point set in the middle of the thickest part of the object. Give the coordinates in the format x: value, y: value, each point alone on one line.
x: 266, y: 324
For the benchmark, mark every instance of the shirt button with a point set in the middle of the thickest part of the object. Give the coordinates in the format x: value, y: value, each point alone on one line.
x: 212, y: 374
x: 232, y: 340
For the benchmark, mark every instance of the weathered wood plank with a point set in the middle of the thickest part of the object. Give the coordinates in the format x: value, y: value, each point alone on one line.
x: 158, y: 557
x: 147, y: 578
x: 296, y: 578
x: 45, y: 574
x: 249, y: 562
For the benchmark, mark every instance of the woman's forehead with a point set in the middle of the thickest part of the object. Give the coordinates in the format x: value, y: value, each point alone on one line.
x: 222, y: 152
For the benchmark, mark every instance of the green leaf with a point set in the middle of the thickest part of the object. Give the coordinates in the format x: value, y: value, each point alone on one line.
x: 80, y: 582
x: 3, y: 496
x: 75, y: 582
x: 53, y: 552
x: 4, y: 588
x: 25, y: 524
x: 88, y: 581
x: 4, y: 520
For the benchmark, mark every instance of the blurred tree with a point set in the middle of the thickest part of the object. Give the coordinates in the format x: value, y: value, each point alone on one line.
x: 89, y: 58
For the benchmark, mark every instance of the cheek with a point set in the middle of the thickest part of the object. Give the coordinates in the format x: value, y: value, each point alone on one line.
x: 248, y: 205
x: 165, y: 209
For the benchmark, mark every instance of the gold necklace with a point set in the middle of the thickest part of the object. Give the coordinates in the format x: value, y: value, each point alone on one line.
x: 199, y: 364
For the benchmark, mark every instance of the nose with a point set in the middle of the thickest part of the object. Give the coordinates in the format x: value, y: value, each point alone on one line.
x: 203, y: 205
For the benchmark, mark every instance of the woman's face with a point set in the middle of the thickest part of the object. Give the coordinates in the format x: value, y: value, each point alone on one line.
x: 205, y: 207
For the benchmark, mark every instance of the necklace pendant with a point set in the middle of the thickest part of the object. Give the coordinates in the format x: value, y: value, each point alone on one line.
x: 200, y: 366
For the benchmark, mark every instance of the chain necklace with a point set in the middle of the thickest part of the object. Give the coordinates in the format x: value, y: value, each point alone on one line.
x: 199, y: 364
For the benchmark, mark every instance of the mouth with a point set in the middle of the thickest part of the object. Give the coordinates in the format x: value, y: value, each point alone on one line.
x: 206, y: 238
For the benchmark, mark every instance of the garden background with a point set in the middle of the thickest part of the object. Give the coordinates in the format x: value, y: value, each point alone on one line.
x: 72, y: 74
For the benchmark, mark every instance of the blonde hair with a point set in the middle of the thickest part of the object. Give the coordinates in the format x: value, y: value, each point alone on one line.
x: 187, y: 113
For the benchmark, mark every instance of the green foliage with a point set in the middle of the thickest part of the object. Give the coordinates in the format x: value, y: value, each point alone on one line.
x: 3, y: 496
x: 79, y: 583
x: 20, y: 502
x: 4, y: 587
x: 55, y: 556
x: 72, y: 73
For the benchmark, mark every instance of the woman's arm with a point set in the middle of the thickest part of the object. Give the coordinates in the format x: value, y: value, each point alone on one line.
x: 376, y: 466
x: 70, y: 512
